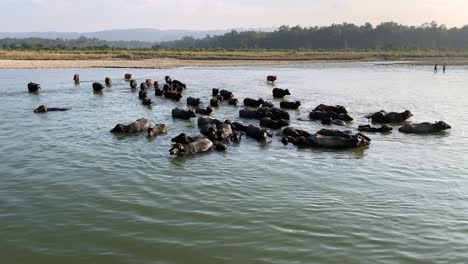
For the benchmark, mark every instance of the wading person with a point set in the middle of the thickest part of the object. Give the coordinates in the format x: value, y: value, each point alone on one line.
x: 443, y: 67
x: 435, y: 68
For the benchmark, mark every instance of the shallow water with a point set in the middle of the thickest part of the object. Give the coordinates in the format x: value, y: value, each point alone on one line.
x: 71, y: 192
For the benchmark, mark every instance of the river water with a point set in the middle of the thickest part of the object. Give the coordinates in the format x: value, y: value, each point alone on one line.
x: 71, y: 192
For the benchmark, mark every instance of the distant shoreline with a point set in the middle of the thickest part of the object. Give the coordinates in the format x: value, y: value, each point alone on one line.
x: 155, y: 59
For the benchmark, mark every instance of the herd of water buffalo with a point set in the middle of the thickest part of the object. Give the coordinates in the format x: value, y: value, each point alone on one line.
x: 217, y: 134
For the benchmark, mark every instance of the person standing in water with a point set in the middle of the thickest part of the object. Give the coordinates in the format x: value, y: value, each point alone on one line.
x: 435, y: 68
x: 443, y: 67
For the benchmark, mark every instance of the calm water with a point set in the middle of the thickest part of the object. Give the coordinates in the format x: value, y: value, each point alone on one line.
x: 71, y: 192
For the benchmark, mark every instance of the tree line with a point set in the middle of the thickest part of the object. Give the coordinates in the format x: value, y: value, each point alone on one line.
x: 81, y: 43
x: 385, y: 36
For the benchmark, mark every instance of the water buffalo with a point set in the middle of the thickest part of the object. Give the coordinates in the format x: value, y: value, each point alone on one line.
x: 267, y: 104
x: 156, y: 130
x: 273, y: 124
x: 76, y: 78
x: 45, y: 109
x: 214, y: 102
x: 336, y: 139
x: 323, y: 115
x: 198, y: 146
x: 233, y: 101
x: 329, y: 108
x: 34, y: 87
x: 424, y: 128
x: 368, y: 128
x: 127, y: 76
x: 147, y: 101
x: 182, y: 114
x: 149, y: 83
x: 274, y: 113
x: 206, y: 111
x: 141, y: 124
x: 156, y: 84
x: 224, y: 130
x: 257, y: 133
x: 167, y: 87
x: 142, y: 94
x: 183, y: 138
x: 168, y: 80
x: 176, y: 84
x: 219, y: 146
x: 143, y: 86
x: 295, y: 133
x: 98, y: 87
x: 214, y: 91
x: 108, y: 81
x: 271, y: 78
x: 158, y: 92
x: 290, y: 105
x: 206, y: 121
x: 252, y: 102
x: 133, y: 84
x: 173, y: 95
x: 237, y: 126
x: 250, y: 114
x: 280, y: 93
x: 193, y: 101
x: 226, y: 94
x: 383, y: 117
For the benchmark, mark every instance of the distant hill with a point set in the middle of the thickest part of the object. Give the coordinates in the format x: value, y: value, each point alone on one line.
x: 144, y: 35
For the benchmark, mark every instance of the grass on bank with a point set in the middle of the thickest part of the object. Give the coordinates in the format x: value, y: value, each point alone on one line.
x: 289, y: 55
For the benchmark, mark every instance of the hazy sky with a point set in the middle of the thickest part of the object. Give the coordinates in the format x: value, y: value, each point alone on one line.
x: 94, y: 15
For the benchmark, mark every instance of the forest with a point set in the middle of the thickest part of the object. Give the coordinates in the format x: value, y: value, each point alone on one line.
x: 388, y: 36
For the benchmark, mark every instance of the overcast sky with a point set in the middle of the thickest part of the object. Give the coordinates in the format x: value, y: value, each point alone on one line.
x: 94, y: 15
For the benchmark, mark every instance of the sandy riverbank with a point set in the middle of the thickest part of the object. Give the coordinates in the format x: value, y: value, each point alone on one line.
x: 175, y: 63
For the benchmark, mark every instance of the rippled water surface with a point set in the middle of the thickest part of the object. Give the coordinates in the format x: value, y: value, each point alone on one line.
x: 71, y: 192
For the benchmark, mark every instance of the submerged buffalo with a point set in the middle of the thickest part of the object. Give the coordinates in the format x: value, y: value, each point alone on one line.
x: 141, y: 124
x: 34, y: 87
x: 98, y: 87
x: 252, y: 102
x: 147, y: 101
x: 321, y: 115
x: 149, y: 83
x: 127, y: 76
x: 271, y: 78
x: 133, y: 84
x: 368, y: 128
x: 108, y: 81
x: 257, y: 133
x: 233, y: 101
x: 198, y: 146
x: 290, y: 105
x: 330, y: 108
x: 280, y: 93
x: 425, y: 128
x: 193, y: 101
x: 182, y: 114
x: 273, y: 124
x: 383, y: 117
x: 183, y: 138
x: 206, y: 111
x: 156, y: 130
x: 337, y: 139
x: 45, y: 109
